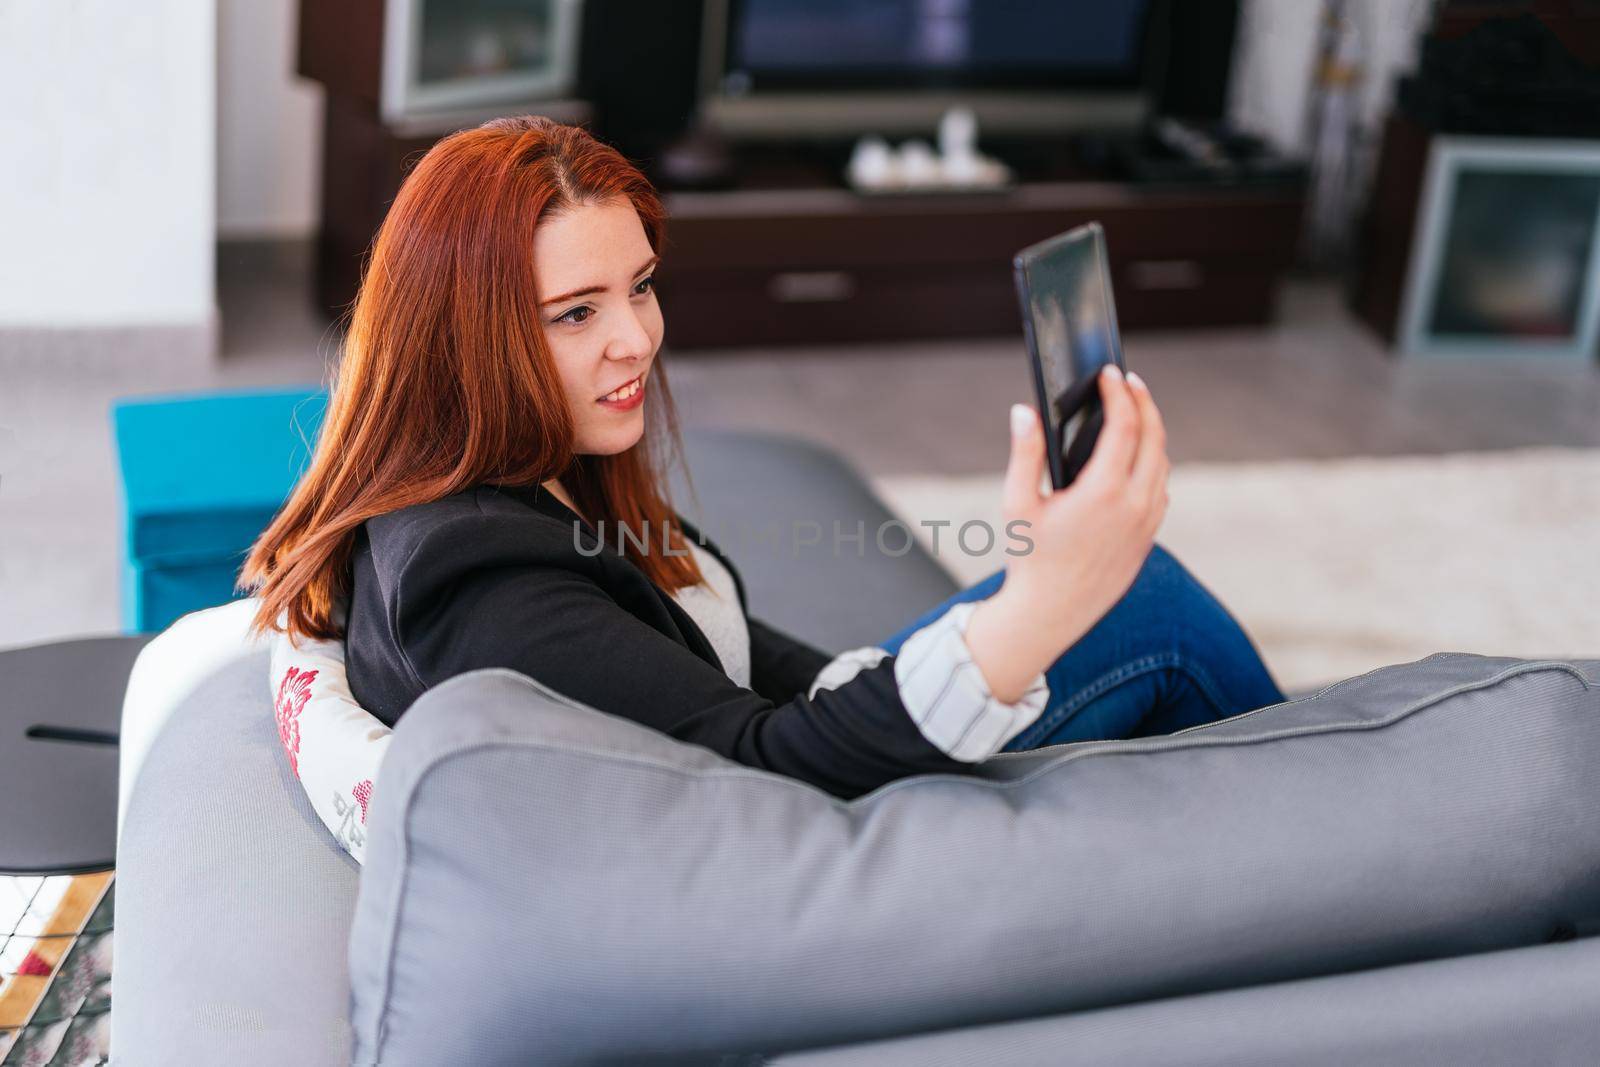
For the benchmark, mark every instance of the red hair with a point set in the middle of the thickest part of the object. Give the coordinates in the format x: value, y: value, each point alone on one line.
x: 446, y: 380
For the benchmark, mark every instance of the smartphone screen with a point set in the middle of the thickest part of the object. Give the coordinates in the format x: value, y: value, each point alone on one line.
x: 1070, y: 323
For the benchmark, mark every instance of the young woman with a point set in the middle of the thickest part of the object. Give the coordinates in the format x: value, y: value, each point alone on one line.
x: 490, y: 415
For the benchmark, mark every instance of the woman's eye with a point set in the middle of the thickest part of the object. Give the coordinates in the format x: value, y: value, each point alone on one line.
x: 645, y: 285
x: 577, y: 315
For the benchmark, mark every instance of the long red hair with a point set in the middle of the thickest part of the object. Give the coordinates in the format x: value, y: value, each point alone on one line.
x: 446, y: 381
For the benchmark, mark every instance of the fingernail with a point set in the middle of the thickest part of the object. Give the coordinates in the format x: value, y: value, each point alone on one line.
x: 1136, y: 381
x: 1021, y: 419
x: 1113, y: 372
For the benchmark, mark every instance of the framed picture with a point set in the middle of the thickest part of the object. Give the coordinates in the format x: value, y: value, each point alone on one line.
x: 1506, y: 252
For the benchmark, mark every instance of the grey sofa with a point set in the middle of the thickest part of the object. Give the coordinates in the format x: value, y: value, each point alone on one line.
x: 1404, y: 868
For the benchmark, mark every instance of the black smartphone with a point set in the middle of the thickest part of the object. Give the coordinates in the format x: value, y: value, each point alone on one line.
x: 1070, y: 324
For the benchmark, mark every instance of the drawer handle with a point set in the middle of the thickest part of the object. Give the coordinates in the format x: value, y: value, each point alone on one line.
x: 1165, y: 274
x: 811, y: 287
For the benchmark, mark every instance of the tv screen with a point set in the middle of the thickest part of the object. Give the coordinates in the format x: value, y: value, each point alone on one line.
x: 899, y: 44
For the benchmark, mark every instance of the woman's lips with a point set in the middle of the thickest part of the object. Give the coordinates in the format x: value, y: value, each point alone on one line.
x: 631, y: 396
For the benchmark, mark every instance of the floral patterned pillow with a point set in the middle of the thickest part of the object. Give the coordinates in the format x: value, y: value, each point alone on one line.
x: 334, y: 745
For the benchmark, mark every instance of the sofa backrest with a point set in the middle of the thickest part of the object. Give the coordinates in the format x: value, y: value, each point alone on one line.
x: 547, y: 883
x: 821, y: 556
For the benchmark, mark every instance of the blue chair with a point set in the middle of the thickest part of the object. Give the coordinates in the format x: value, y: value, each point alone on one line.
x: 202, y: 474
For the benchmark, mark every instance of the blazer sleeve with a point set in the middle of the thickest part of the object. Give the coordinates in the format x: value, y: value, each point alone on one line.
x: 473, y: 596
x: 781, y: 665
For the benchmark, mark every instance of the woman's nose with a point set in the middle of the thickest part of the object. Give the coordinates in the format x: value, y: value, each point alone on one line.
x: 632, y: 340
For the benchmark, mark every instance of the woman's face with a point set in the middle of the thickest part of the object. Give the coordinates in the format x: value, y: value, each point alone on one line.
x: 601, y: 320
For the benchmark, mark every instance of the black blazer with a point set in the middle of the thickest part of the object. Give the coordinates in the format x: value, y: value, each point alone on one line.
x: 494, y: 577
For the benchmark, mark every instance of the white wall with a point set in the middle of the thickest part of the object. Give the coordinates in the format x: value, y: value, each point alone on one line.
x: 269, y: 124
x: 107, y: 162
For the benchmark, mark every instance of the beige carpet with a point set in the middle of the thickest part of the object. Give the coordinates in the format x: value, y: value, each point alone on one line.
x: 1339, y: 566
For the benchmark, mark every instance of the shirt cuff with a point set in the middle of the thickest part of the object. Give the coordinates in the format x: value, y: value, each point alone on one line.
x: 948, y: 696
x: 845, y: 666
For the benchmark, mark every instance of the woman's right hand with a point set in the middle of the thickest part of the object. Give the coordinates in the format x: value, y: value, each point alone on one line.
x: 1090, y: 539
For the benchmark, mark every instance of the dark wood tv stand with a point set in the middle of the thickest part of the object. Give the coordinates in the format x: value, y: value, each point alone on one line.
x: 791, y: 255
x: 817, y: 265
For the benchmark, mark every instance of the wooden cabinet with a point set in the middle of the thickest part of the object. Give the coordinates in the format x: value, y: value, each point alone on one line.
x: 826, y: 265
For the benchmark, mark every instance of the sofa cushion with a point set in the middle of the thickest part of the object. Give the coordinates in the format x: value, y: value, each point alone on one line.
x: 547, y: 882
x: 332, y: 744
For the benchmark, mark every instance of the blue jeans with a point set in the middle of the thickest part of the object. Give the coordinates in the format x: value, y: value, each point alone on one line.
x: 1165, y: 657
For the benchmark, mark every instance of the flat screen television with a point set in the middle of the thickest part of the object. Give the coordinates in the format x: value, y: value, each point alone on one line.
x: 784, y: 68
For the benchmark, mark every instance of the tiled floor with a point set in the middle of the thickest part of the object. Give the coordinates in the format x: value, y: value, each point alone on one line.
x: 1317, y: 384
x: 55, y: 969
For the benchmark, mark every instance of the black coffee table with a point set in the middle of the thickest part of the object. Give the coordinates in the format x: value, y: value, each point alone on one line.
x: 60, y: 711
